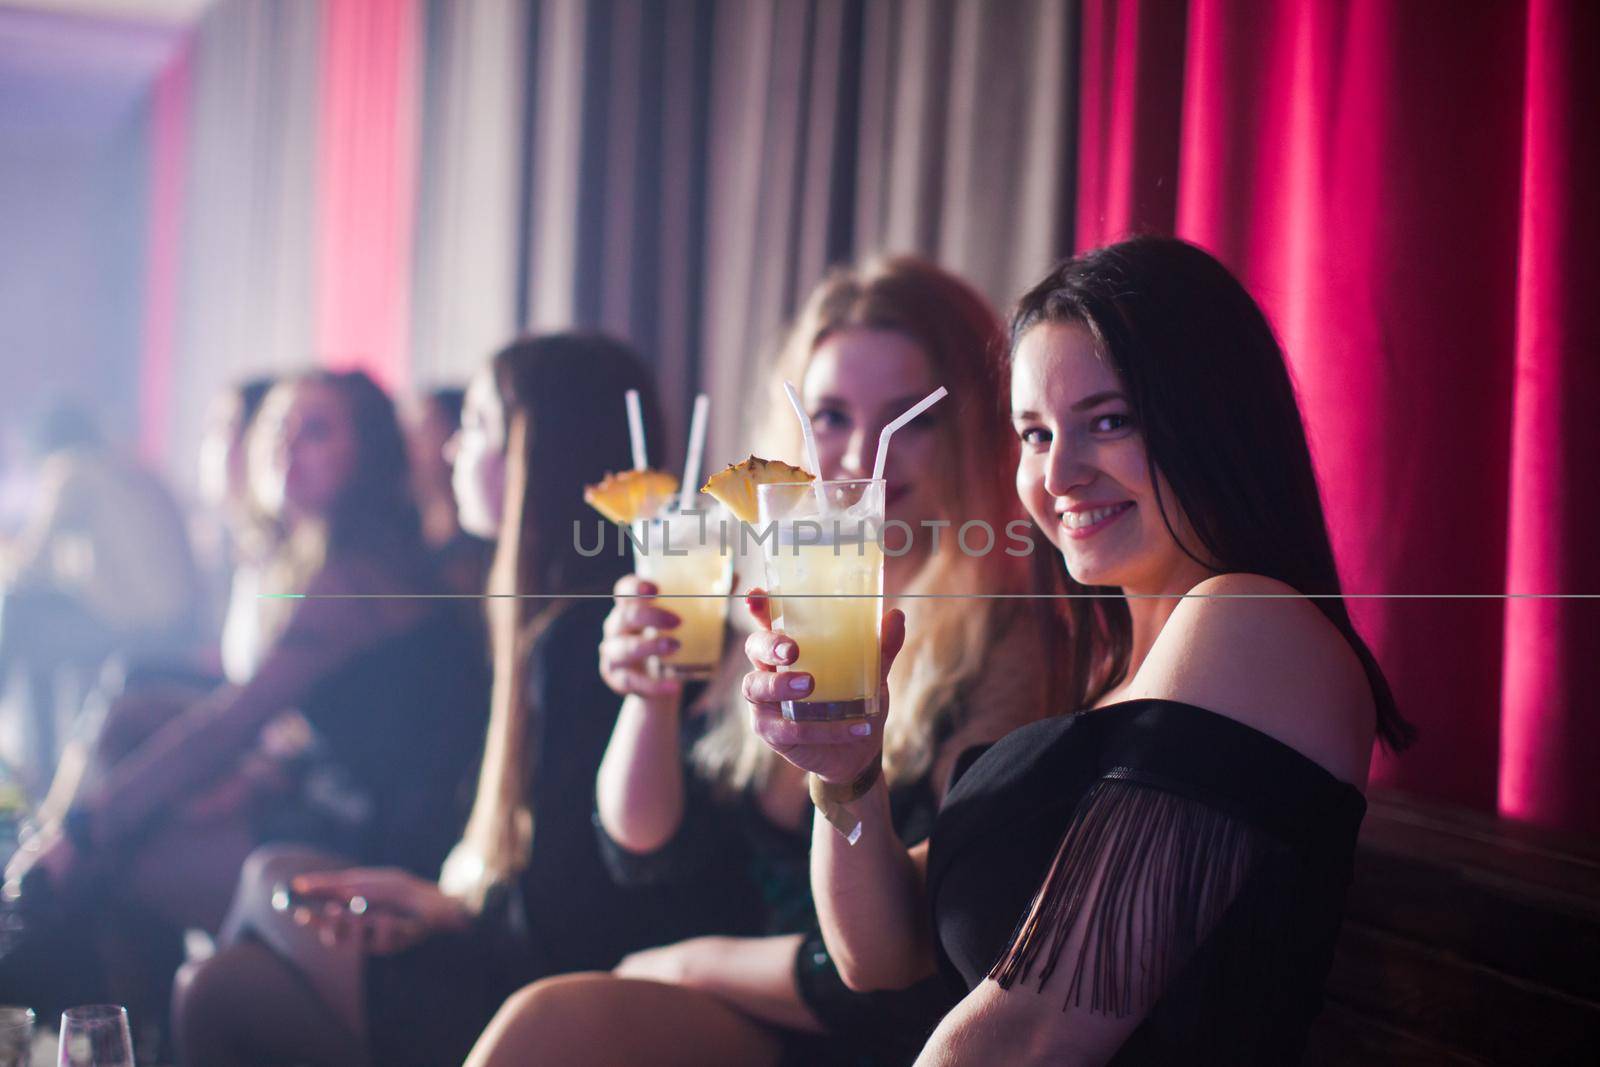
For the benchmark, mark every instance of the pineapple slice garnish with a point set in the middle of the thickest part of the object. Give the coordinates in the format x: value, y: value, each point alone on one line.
x: 628, y: 496
x: 735, y: 486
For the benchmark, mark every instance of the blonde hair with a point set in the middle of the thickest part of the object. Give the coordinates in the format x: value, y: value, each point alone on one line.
x: 948, y: 641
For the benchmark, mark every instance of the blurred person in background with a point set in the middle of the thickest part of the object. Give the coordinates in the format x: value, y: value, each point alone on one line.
x: 240, y: 530
x: 235, y: 534
x: 102, y: 566
x: 392, y: 685
x: 430, y: 420
x: 412, y: 981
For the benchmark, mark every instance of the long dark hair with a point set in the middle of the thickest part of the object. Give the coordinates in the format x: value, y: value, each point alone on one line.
x: 1212, y: 397
x: 375, y: 511
x: 374, y: 516
x: 566, y: 427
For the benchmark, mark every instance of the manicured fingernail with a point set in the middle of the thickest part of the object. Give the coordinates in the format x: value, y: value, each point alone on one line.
x: 798, y: 684
x: 669, y: 644
x: 861, y: 729
x: 784, y: 651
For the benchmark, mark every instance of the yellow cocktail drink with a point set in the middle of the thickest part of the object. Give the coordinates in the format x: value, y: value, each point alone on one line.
x: 824, y: 566
x: 685, y: 558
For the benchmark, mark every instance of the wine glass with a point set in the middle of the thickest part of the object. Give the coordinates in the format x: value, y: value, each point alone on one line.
x: 95, y: 1035
x: 16, y: 1036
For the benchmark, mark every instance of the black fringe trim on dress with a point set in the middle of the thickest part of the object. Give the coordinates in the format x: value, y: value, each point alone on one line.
x: 1141, y: 877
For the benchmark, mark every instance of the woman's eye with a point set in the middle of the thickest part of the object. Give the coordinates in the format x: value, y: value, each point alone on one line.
x: 1111, y: 423
x: 1035, y: 437
x: 828, y: 419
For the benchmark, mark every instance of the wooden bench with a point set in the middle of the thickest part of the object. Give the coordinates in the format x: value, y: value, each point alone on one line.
x: 1468, y: 940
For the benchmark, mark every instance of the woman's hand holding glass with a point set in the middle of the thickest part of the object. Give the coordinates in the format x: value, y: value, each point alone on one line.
x: 836, y: 752
x: 632, y: 636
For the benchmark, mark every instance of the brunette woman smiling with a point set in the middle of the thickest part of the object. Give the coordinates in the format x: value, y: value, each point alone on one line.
x: 1158, y: 877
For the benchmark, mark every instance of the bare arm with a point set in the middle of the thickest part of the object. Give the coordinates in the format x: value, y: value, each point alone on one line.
x: 869, y: 899
x: 640, y: 785
x: 992, y: 1025
x: 203, y: 742
x: 639, y: 790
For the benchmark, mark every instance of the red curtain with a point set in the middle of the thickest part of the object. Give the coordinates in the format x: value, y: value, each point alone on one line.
x: 1408, y: 190
x: 366, y: 194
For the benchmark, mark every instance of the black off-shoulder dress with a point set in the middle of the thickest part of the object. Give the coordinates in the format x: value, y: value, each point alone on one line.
x: 1193, y: 874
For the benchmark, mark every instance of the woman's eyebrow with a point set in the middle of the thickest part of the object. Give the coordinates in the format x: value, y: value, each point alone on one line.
x: 1096, y: 399
x: 899, y: 404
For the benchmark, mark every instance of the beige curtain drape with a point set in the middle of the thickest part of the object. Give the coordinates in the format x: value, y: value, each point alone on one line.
x: 246, y: 281
x: 695, y: 166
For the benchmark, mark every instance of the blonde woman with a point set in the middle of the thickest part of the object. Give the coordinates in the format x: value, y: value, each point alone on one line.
x: 412, y: 981
x: 704, y: 802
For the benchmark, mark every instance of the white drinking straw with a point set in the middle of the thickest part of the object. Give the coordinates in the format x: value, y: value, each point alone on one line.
x: 697, y: 447
x: 888, y: 431
x: 636, y: 431
x: 810, y: 437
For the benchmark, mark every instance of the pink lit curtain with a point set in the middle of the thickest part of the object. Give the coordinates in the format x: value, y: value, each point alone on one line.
x: 366, y: 168
x: 1401, y: 186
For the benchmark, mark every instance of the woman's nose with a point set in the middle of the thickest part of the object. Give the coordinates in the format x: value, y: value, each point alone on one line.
x: 859, y: 454
x: 1069, y: 468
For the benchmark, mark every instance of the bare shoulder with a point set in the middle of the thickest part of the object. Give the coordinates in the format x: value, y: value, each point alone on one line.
x: 1254, y: 649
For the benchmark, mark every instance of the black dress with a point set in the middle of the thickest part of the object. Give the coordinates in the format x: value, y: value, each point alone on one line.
x: 758, y: 873
x: 398, y: 733
x: 427, y: 1006
x: 1194, y: 872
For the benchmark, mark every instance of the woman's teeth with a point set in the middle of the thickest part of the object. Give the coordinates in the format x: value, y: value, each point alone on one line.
x: 1078, y: 520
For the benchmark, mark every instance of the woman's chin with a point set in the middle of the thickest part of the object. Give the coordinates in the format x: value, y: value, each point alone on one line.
x: 1089, y: 571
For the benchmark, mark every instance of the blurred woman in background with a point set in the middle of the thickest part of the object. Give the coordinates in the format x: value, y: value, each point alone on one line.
x: 242, y: 538
x: 430, y: 420
x: 133, y: 701
x: 391, y: 684
x: 103, y: 568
